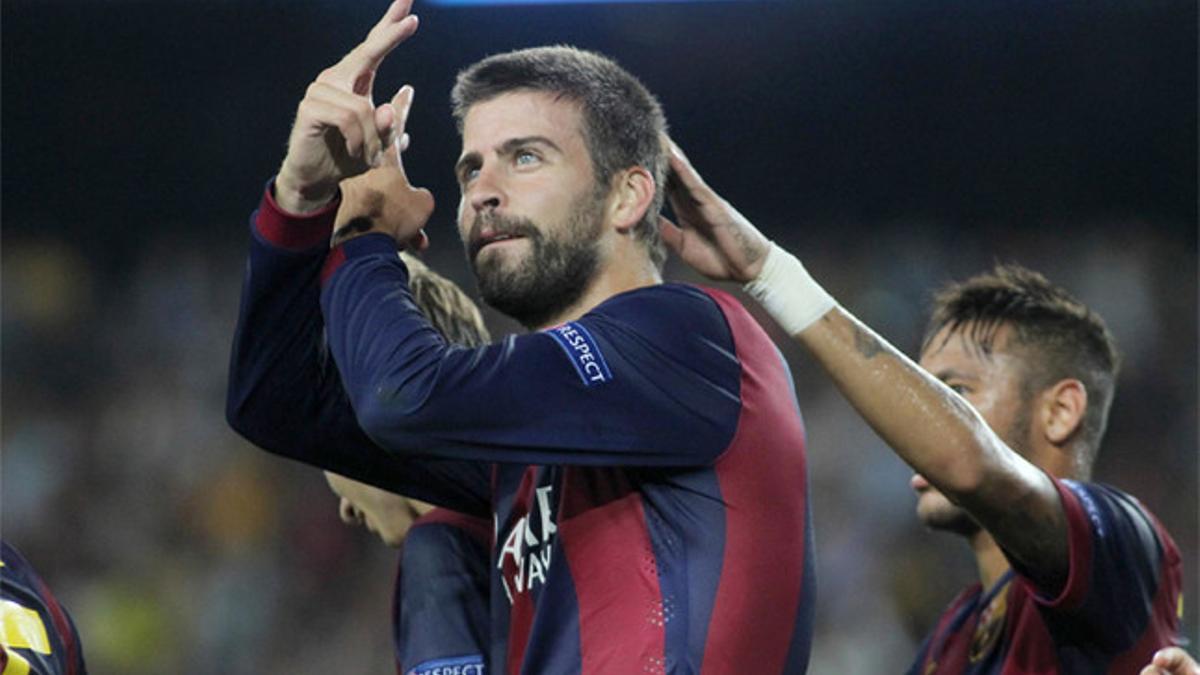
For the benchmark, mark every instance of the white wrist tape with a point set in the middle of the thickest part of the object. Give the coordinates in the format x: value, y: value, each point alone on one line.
x: 788, y: 293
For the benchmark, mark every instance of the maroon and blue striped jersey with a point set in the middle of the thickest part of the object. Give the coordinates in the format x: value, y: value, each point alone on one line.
x: 440, y: 607
x: 1120, y: 603
x: 37, y: 635
x: 643, y: 466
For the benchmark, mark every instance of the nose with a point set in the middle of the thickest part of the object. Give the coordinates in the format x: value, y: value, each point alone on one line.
x: 484, y: 192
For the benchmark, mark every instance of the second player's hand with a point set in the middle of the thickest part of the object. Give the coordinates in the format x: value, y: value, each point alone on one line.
x: 338, y: 131
x: 711, y: 235
x: 382, y: 199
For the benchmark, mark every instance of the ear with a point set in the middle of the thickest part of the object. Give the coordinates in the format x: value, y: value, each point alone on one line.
x: 631, y: 194
x: 1063, y: 408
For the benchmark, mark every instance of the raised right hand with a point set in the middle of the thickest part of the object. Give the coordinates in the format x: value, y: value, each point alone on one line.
x: 338, y: 132
x: 382, y: 199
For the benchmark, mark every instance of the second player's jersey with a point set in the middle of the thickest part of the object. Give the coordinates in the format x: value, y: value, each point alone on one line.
x: 36, y: 633
x: 440, y: 610
x: 643, y: 466
x: 1120, y: 603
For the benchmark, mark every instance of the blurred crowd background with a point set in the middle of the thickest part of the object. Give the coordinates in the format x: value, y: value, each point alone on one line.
x: 893, y: 145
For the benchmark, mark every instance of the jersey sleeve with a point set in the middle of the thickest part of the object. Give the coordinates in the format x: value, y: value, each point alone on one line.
x: 441, y: 605
x: 284, y: 393
x: 1122, y: 564
x: 648, y: 378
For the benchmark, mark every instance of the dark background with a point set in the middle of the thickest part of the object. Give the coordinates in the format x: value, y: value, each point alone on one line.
x: 892, y: 145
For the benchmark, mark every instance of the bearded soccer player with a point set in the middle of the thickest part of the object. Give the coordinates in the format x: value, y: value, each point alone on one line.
x: 639, y: 451
x: 36, y: 633
x: 439, y: 606
x: 1001, y: 420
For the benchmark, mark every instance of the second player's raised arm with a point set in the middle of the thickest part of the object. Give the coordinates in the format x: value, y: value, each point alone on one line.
x: 941, y: 436
x: 930, y: 427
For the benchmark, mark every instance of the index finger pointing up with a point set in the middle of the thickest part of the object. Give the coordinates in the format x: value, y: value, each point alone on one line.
x: 355, y: 69
x: 401, y: 104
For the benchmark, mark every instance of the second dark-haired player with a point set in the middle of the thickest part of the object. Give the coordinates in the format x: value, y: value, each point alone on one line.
x: 1001, y: 421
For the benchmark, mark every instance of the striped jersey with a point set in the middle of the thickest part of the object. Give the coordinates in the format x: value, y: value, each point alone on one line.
x: 643, y: 466
x: 1121, y: 602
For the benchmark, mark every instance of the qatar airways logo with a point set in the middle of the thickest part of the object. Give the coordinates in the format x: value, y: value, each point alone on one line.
x: 525, y: 556
x: 583, y: 351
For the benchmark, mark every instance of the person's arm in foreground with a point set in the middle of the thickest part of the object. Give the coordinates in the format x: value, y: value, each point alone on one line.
x: 929, y: 426
x: 284, y: 392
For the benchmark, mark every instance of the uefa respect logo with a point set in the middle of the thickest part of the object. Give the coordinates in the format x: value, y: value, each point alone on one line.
x: 471, y: 664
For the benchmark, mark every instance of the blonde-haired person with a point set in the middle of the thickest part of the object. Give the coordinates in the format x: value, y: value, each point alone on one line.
x: 439, y: 611
x: 1001, y: 421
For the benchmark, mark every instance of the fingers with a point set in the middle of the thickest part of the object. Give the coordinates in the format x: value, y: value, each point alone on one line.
x: 682, y: 172
x: 670, y: 233
x: 355, y: 71
x: 385, y: 118
x: 352, y: 115
x: 395, y: 26
x: 401, y: 104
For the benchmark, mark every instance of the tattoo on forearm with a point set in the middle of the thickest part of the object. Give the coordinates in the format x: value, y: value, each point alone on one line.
x: 866, y: 342
x: 746, y: 245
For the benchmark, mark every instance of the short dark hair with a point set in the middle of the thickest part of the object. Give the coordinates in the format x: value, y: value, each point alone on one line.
x: 447, y: 307
x: 623, y: 122
x: 1063, y: 337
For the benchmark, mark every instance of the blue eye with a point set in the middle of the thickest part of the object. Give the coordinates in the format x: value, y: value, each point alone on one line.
x: 525, y: 158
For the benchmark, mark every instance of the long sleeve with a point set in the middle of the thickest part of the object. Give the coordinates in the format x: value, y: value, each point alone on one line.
x: 648, y: 378
x: 284, y: 394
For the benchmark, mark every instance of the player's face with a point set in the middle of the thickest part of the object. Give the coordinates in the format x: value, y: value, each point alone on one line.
x: 991, y: 383
x: 384, y: 513
x: 531, y: 215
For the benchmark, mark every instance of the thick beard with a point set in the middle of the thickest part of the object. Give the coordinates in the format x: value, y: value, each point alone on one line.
x: 553, y: 275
